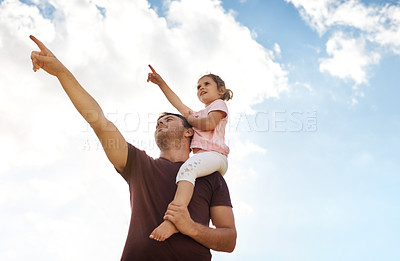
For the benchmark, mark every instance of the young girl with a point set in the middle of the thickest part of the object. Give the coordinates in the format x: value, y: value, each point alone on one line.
x: 208, y: 144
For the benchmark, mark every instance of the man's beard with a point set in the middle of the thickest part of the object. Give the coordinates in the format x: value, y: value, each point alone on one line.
x: 166, y: 140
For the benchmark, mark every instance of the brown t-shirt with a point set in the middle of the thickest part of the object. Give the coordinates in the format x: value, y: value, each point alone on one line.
x: 152, y: 187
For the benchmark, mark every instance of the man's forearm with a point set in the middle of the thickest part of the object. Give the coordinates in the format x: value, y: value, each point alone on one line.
x: 218, y: 239
x: 221, y: 238
x: 114, y: 144
x: 81, y: 99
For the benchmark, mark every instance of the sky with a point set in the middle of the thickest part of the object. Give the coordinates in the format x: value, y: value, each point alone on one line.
x: 313, y: 127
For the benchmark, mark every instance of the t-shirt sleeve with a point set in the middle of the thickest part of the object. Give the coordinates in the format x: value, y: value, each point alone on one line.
x: 134, y: 157
x: 218, y: 105
x: 221, y: 196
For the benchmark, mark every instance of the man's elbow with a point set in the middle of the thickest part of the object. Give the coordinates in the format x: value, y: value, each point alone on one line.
x: 233, y: 242
x: 229, y: 249
x: 96, y: 119
x: 230, y: 243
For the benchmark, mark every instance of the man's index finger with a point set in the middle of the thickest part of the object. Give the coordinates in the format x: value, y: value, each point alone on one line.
x: 41, y: 46
x: 152, y: 69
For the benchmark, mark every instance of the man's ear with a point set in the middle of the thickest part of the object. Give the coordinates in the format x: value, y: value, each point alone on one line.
x: 189, y: 132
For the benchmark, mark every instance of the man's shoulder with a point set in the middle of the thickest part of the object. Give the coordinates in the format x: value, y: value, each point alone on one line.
x: 213, y: 183
x: 134, y: 150
x: 211, y: 189
x: 136, y: 161
x: 140, y: 154
x: 136, y: 155
x: 215, y: 177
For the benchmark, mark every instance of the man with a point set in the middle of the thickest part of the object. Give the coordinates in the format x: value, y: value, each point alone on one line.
x: 152, y: 181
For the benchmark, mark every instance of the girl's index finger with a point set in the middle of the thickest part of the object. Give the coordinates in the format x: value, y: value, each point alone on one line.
x: 41, y: 46
x: 152, y: 69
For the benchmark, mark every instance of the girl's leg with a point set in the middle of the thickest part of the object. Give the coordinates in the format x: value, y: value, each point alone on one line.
x: 199, y: 165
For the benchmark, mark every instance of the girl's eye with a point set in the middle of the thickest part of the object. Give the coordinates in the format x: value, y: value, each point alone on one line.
x: 206, y: 84
x: 198, y: 87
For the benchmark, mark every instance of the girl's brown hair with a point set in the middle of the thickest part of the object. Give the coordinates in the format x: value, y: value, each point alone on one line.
x: 228, y: 94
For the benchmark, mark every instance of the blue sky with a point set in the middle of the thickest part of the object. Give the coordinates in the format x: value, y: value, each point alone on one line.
x: 314, y: 129
x: 344, y: 175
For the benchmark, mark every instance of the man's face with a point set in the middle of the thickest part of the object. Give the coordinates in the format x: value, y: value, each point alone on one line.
x: 169, y: 130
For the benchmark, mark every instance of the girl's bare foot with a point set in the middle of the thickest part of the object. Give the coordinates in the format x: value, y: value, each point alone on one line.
x: 163, y: 231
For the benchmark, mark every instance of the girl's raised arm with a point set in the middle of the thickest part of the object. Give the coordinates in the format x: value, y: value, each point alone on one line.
x: 155, y: 78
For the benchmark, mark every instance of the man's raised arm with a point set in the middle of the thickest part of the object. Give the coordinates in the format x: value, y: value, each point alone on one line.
x: 111, y: 139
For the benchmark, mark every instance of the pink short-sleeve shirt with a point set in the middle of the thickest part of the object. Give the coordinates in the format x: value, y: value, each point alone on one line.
x: 212, y: 140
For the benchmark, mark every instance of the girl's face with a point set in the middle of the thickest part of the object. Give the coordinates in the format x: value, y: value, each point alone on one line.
x: 207, y: 90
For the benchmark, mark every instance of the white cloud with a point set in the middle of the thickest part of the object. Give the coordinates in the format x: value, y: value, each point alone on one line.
x: 373, y: 28
x: 305, y: 85
x: 19, y: 20
x: 349, y: 59
x: 324, y: 14
x: 243, y: 149
x: 314, y: 12
x: 277, y: 49
x: 242, y: 209
x: 388, y: 34
x: 239, y: 175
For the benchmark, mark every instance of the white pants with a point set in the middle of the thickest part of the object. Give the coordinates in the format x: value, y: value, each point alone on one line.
x: 202, y: 164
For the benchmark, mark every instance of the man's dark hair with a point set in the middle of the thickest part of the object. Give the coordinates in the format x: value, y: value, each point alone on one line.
x: 184, y: 121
